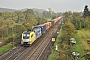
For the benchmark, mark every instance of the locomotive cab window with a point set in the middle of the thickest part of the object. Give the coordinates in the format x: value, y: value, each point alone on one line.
x: 26, y: 36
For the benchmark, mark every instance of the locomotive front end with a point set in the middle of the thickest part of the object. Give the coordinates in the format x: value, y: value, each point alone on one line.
x: 25, y: 38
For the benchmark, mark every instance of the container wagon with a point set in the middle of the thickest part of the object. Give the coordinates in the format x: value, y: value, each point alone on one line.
x: 42, y: 26
x: 28, y: 37
x: 48, y: 25
x: 52, y: 22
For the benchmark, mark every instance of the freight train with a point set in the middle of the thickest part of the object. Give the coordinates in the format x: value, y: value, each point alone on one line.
x: 28, y: 37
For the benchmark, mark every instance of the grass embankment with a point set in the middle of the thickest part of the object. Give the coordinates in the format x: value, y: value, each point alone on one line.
x: 54, y: 53
x: 7, y: 44
x: 81, y: 43
x: 5, y: 48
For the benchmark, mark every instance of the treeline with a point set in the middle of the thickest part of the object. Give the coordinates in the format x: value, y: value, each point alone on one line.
x: 72, y: 22
x: 14, y: 23
x: 78, y: 19
x: 75, y: 21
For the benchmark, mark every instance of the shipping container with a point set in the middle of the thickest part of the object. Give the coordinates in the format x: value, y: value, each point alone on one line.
x: 52, y: 23
x: 56, y: 20
x: 42, y: 26
x: 47, y: 25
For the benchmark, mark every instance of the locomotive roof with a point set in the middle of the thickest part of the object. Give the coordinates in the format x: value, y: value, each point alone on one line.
x: 26, y: 32
x: 39, y: 25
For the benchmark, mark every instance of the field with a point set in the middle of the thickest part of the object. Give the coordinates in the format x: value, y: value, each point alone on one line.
x: 55, y: 53
x: 81, y: 46
x: 5, y: 48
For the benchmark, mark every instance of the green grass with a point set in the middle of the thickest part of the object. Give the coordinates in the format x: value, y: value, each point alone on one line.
x: 58, y: 38
x: 54, y: 53
x: 5, y: 48
x: 78, y: 47
x: 53, y: 56
x: 84, y: 35
x: 81, y: 44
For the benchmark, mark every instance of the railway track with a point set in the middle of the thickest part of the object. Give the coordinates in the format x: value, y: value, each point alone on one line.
x: 34, y: 48
x: 12, y: 52
x: 16, y: 54
x: 40, y: 49
x: 35, y: 51
x: 20, y: 51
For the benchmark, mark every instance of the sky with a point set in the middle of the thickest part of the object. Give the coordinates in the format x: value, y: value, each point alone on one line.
x: 55, y: 5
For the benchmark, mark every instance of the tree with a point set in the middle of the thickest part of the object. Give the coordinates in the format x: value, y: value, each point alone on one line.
x: 68, y: 31
x: 8, y: 24
x: 86, y: 11
x: 1, y: 22
x: 67, y: 14
x: 47, y: 14
x: 38, y: 14
x: 87, y: 22
x: 28, y: 25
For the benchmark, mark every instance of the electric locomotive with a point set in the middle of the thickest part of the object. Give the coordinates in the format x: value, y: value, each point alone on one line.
x: 28, y: 37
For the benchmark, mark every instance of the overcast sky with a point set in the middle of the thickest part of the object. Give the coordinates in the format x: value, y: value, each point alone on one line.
x: 55, y: 5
